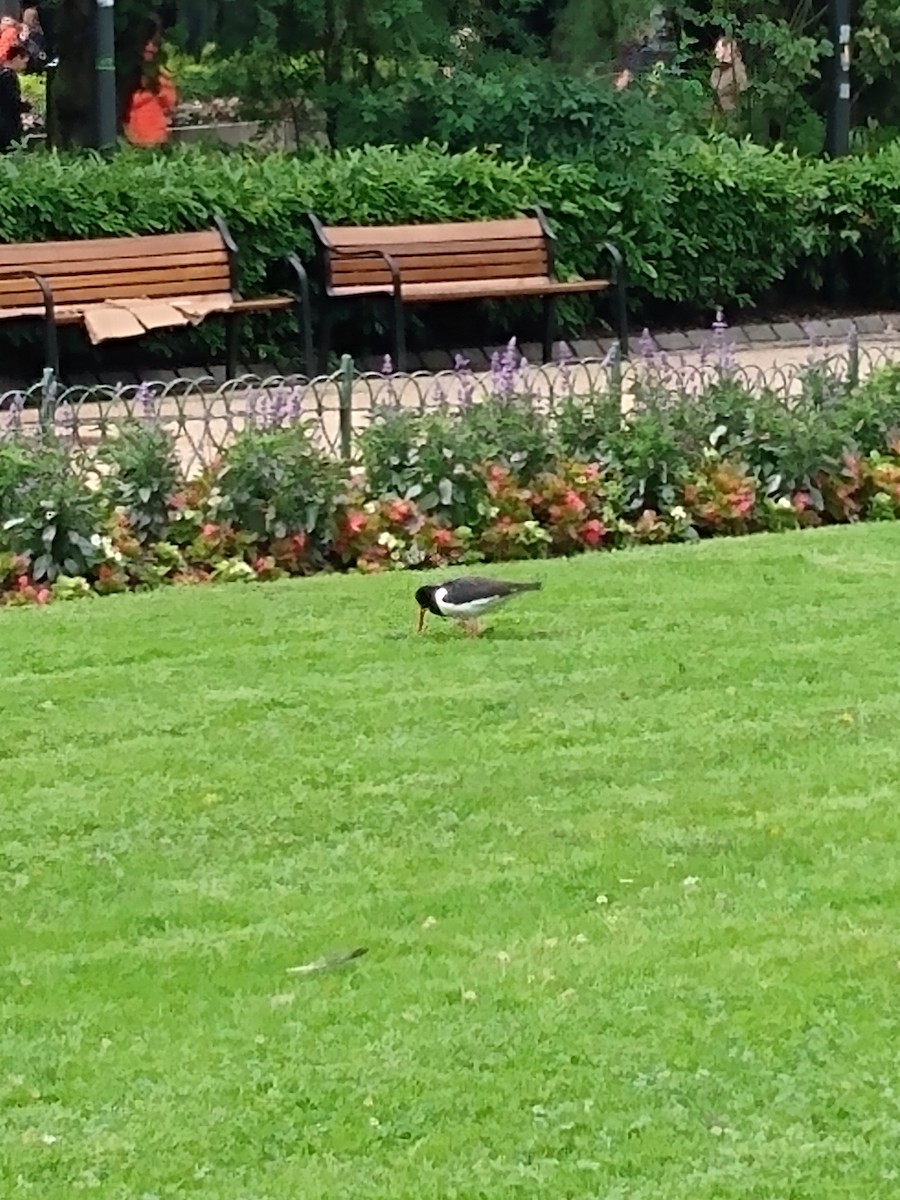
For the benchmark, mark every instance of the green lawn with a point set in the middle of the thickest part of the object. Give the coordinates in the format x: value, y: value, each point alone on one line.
x: 626, y: 868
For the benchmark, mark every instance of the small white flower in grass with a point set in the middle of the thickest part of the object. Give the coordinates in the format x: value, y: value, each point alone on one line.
x: 581, y: 938
x: 626, y: 881
x: 368, y: 1102
x: 502, y: 958
x: 374, y: 1122
x: 690, y: 881
x: 282, y: 1000
x: 469, y: 995
x: 550, y: 943
x: 49, y: 1139
x: 601, y: 899
x: 429, y: 923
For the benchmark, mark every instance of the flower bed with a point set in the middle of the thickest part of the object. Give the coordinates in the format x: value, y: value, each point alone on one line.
x: 488, y: 481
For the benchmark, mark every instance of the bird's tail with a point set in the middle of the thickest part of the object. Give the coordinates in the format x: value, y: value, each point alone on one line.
x: 529, y: 587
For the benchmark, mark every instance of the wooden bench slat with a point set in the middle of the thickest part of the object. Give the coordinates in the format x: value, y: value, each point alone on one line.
x: 458, y: 266
x: 35, y: 255
x: 411, y: 235
x: 178, y: 279
x: 475, y: 246
x: 58, y: 270
x: 118, y: 291
x: 462, y: 274
x: 483, y: 289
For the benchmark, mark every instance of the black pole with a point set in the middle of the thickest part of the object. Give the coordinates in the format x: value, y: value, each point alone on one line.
x: 107, y: 124
x: 838, y: 136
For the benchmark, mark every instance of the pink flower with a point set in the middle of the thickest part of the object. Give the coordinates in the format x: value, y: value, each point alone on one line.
x: 743, y: 503
x: 592, y: 532
x: 209, y: 530
x: 356, y: 523
x: 801, y: 501
x: 574, y: 503
x: 42, y: 596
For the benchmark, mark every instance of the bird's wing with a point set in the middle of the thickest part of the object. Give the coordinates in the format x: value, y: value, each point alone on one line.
x: 470, y: 588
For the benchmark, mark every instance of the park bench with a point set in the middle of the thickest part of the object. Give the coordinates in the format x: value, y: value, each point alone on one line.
x: 419, y: 264
x: 124, y: 287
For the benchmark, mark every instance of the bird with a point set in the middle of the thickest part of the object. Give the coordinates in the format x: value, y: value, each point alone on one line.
x: 466, y: 599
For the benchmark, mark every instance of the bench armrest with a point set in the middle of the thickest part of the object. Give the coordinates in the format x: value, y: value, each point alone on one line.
x: 51, y: 344
x: 231, y: 247
x: 42, y: 284
x: 367, y: 252
x: 618, y: 280
x: 608, y: 249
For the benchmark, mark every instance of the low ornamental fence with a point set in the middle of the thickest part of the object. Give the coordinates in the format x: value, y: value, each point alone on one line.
x: 204, y: 416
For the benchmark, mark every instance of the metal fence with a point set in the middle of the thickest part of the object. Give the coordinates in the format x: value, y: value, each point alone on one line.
x: 205, y: 416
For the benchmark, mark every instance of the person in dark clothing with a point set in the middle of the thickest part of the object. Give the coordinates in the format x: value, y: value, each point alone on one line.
x: 11, y: 103
x: 33, y: 40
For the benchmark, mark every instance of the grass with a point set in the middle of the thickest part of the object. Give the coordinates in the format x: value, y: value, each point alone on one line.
x: 626, y: 869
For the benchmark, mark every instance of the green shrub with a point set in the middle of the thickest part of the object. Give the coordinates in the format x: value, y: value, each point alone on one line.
x: 425, y: 457
x: 701, y: 222
x: 144, y: 475
x: 275, y: 484
x: 522, y: 108
x: 48, y: 515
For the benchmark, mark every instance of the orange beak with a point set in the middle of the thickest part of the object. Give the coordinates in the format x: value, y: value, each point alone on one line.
x: 421, y: 624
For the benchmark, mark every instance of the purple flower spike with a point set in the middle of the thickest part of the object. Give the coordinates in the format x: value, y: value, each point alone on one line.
x: 387, y: 367
x: 647, y: 347
x: 505, y: 368
x: 146, y: 401
x: 724, y: 349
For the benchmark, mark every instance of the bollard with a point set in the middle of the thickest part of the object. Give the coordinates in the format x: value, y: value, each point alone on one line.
x: 345, y: 405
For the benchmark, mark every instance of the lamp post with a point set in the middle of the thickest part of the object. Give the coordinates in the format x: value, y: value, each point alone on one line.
x: 105, y: 67
x: 838, y: 135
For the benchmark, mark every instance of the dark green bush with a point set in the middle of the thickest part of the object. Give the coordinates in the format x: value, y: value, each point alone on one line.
x: 144, y: 475
x: 275, y: 484
x: 701, y: 222
x: 48, y: 515
x: 425, y: 457
x: 522, y: 108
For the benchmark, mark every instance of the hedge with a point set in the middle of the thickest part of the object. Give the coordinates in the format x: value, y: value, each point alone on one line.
x: 492, y: 481
x: 701, y: 222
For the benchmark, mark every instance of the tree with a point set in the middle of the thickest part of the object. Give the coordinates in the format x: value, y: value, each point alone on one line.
x: 71, y: 117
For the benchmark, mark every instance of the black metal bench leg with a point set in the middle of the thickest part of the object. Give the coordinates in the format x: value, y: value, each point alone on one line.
x: 327, y: 324
x: 621, y: 317
x: 549, y: 327
x: 232, y: 344
x: 399, y: 336
x: 309, y: 354
x: 51, y: 346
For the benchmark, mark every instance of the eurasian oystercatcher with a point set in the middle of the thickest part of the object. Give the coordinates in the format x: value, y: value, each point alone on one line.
x: 466, y: 599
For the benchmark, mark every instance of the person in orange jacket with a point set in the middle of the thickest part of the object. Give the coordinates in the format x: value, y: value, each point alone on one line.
x: 148, y: 111
x: 9, y: 36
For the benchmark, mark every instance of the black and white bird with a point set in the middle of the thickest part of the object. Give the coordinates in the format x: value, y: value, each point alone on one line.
x: 467, y: 599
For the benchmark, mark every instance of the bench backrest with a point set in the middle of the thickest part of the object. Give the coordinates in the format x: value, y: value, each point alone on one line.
x: 437, y: 253
x: 158, y: 266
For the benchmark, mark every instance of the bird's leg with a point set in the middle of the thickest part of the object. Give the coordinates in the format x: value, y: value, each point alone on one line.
x: 472, y: 628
